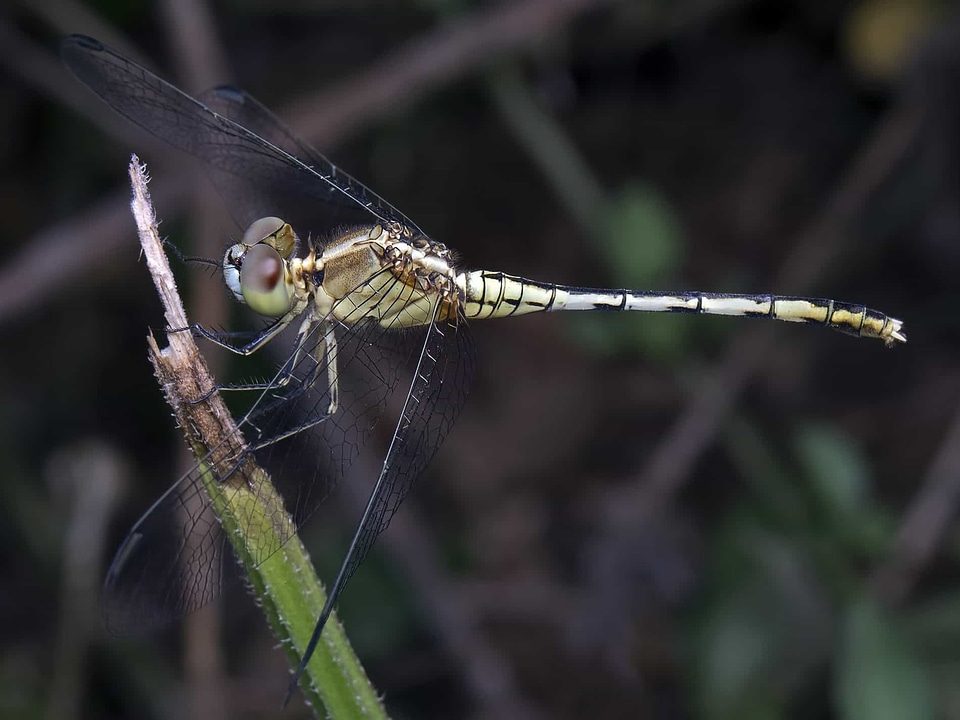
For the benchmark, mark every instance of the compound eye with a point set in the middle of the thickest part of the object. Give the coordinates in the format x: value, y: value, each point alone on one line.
x: 263, y: 282
x: 260, y: 230
x: 274, y: 232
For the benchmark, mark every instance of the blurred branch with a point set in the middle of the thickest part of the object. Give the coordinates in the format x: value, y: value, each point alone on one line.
x: 544, y: 140
x: 56, y: 259
x: 438, y: 58
x: 40, y: 68
x: 201, y: 62
x: 926, y: 521
x: 196, y: 47
x: 71, y: 16
x: 712, y: 398
x: 563, y: 167
x: 814, y: 251
x: 452, y: 607
x: 92, y: 476
x: 468, y: 43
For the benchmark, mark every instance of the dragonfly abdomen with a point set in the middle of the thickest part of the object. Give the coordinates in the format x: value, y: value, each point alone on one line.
x: 496, y: 294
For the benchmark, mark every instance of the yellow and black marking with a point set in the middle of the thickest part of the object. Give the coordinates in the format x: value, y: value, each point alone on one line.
x: 496, y: 294
x: 488, y: 294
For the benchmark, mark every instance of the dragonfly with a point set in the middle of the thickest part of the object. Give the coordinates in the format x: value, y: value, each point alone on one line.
x: 380, y: 310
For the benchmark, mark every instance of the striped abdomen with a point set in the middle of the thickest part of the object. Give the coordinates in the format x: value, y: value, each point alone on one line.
x: 496, y: 294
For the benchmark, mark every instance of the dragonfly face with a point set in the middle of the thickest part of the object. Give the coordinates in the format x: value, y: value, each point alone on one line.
x: 384, y: 311
x: 257, y: 271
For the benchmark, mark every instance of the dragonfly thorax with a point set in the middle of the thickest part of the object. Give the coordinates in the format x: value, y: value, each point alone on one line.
x: 389, y: 273
x: 423, y: 262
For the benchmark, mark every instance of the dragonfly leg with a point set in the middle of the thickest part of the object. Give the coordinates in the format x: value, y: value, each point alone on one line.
x: 324, y: 352
x: 285, y: 374
x: 218, y: 339
x: 330, y: 351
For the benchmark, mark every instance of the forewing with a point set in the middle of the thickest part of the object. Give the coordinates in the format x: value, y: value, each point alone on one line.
x: 176, y: 558
x: 245, y: 110
x: 255, y: 176
x: 436, y: 395
x: 441, y: 379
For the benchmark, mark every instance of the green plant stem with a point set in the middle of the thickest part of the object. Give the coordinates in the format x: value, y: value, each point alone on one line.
x: 249, y: 509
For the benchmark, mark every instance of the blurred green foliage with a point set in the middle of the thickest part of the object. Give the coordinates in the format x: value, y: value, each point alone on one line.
x: 684, y: 148
x: 879, y: 675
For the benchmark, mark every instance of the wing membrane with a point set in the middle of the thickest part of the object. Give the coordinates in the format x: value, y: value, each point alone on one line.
x: 177, y: 559
x: 439, y: 386
x: 255, y: 176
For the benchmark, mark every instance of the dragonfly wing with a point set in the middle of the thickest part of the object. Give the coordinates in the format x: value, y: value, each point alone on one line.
x: 177, y: 557
x: 441, y: 380
x: 255, y: 176
x: 170, y: 563
x: 369, y: 362
x: 243, y: 109
x: 437, y: 394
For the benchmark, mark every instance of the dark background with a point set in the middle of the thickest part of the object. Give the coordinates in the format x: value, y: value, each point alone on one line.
x: 635, y: 516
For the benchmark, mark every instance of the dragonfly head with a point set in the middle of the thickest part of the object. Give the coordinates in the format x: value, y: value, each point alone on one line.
x: 256, y: 269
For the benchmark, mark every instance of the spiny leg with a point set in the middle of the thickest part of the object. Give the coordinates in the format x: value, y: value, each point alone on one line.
x: 324, y: 353
x: 268, y: 333
x: 218, y: 339
x: 329, y: 348
x: 282, y: 377
x: 285, y: 374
